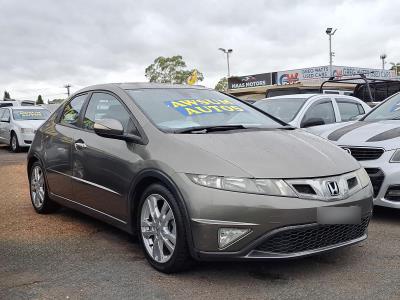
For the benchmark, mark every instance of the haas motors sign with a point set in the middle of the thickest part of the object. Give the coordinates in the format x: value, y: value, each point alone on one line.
x: 249, y: 81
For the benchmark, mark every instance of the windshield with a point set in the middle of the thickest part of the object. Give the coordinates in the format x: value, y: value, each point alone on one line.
x: 177, y: 109
x: 30, y: 114
x: 389, y: 110
x: 284, y: 109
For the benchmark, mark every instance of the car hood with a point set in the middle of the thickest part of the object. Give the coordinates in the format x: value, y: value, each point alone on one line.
x: 34, y: 124
x: 384, y: 134
x: 265, y: 154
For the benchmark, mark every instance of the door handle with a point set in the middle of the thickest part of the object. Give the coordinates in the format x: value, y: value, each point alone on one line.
x: 80, y: 145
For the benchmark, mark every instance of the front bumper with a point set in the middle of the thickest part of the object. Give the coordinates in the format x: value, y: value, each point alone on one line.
x: 384, y: 176
x: 265, y: 216
x: 25, y: 139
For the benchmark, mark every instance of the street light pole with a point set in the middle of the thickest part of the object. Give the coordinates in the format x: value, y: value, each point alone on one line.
x: 227, y: 52
x: 329, y: 32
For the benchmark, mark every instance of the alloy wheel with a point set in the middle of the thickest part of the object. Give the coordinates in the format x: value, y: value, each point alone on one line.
x: 158, y: 228
x: 14, y: 142
x: 37, y: 187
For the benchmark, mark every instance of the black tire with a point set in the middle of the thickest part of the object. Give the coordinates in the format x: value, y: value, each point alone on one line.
x: 48, y: 205
x: 180, y: 259
x: 14, y: 145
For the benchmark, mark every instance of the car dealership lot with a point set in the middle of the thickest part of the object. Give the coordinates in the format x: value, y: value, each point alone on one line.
x: 69, y: 255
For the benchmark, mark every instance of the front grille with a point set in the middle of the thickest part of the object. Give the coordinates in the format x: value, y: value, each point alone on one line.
x: 377, y: 176
x: 362, y: 153
x: 313, y: 237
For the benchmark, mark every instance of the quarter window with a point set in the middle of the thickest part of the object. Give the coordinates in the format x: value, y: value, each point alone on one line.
x: 349, y: 109
x: 321, y: 110
x: 70, y: 115
x: 105, y: 106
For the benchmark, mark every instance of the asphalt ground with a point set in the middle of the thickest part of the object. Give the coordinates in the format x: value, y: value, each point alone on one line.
x: 68, y: 255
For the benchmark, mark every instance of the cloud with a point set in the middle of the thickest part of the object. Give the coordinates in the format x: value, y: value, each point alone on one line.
x: 46, y: 44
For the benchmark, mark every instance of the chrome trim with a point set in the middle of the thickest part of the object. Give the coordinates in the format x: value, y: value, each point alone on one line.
x: 220, y: 222
x: 91, y: 208
x: 86, y: 181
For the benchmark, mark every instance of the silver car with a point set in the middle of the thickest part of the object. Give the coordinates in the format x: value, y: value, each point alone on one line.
x: 314, y: 112
x: 18, y: 125
x: 374, y: 140
x: 198, y: 175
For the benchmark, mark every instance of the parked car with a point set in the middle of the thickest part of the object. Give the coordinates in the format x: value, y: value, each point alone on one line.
x: 311, y: 111
x: 6, y: 103
x: 18, y: 125
x: 374, y: 140
x: 197, y: 174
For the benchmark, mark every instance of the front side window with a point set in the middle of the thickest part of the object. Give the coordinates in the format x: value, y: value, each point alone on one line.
x: 179, y: 109
x: 284, y: 109
x: 30, y: 114
x: 321, y: 110
x: 6, y: 116
x: 70, y: 115
x: 389, y: 110
x: 349, y: 109
x: 105, y: 106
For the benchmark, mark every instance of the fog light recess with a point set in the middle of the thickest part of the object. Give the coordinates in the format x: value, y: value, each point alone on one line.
x: 227, y: 236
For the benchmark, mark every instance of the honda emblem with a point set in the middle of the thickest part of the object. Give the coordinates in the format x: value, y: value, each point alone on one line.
x: 333, y: 188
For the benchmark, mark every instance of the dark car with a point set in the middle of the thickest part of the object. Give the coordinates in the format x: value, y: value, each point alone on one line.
x: 197, y: 174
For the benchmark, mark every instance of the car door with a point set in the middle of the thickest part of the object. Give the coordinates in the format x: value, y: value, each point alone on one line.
x: 103, y: 167
x: 2, y: 140
x: 348, y: 109
x: 321, y: 110
x: 5, y: 126
x: 59, y: 140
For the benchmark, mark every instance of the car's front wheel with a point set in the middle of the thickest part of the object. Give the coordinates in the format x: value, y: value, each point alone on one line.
x: 161, y: 230
x: 14, y: 145
x: 38, y: 190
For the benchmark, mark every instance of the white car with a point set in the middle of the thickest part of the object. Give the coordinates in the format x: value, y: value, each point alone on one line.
x: 374, y: 141
x: 311, y: 111
x: 18, y: 125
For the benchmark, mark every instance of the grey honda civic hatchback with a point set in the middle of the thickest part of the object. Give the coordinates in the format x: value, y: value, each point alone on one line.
x: 197, y: 174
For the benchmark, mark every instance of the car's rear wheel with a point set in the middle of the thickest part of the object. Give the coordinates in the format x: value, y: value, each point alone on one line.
x: 38, y: 191
x: 161, y: 230
x: 14, y: 145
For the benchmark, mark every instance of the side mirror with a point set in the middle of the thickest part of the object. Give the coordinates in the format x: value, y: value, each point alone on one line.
x: 112, y: 128
x: 109, y: 128
x: 313, y: 122
x: 355, y: 118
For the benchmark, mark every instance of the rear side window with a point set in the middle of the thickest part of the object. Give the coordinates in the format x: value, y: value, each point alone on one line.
x: 6, y: 116
x: 105, y: 106
x: 321, y: 110
x: 349, y: 109
x: 70, y: 115
x: 1, y: 113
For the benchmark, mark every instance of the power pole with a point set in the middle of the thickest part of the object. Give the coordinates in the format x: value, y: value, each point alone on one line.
x: 227, y: 52
x: 383, y: 57
x: 67, y: 86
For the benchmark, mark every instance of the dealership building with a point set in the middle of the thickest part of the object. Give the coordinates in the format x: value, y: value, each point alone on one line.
x: 256, y: 86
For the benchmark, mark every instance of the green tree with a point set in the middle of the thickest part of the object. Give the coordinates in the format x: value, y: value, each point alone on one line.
x: 39, y: 100
x: 222, y: 85
x: 6, y: 95
x: 396, y: 67
x: 170, y: 70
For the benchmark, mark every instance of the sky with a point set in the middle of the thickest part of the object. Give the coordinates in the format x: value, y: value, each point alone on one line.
x: 47, y: 44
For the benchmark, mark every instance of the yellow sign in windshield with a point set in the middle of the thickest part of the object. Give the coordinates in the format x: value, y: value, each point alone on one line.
x: 203, y: 106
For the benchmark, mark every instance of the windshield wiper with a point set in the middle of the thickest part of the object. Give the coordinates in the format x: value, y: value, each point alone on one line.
x: 207, y: 129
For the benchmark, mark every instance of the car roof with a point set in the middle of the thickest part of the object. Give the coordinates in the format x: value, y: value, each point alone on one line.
x: 142, y: 85
x: 26, y: 107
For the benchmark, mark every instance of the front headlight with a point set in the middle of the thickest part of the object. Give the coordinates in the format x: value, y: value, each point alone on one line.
x: 363, y: 177
x: 395, y: 157
x: 273, y: 187
x: 26, y: 130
